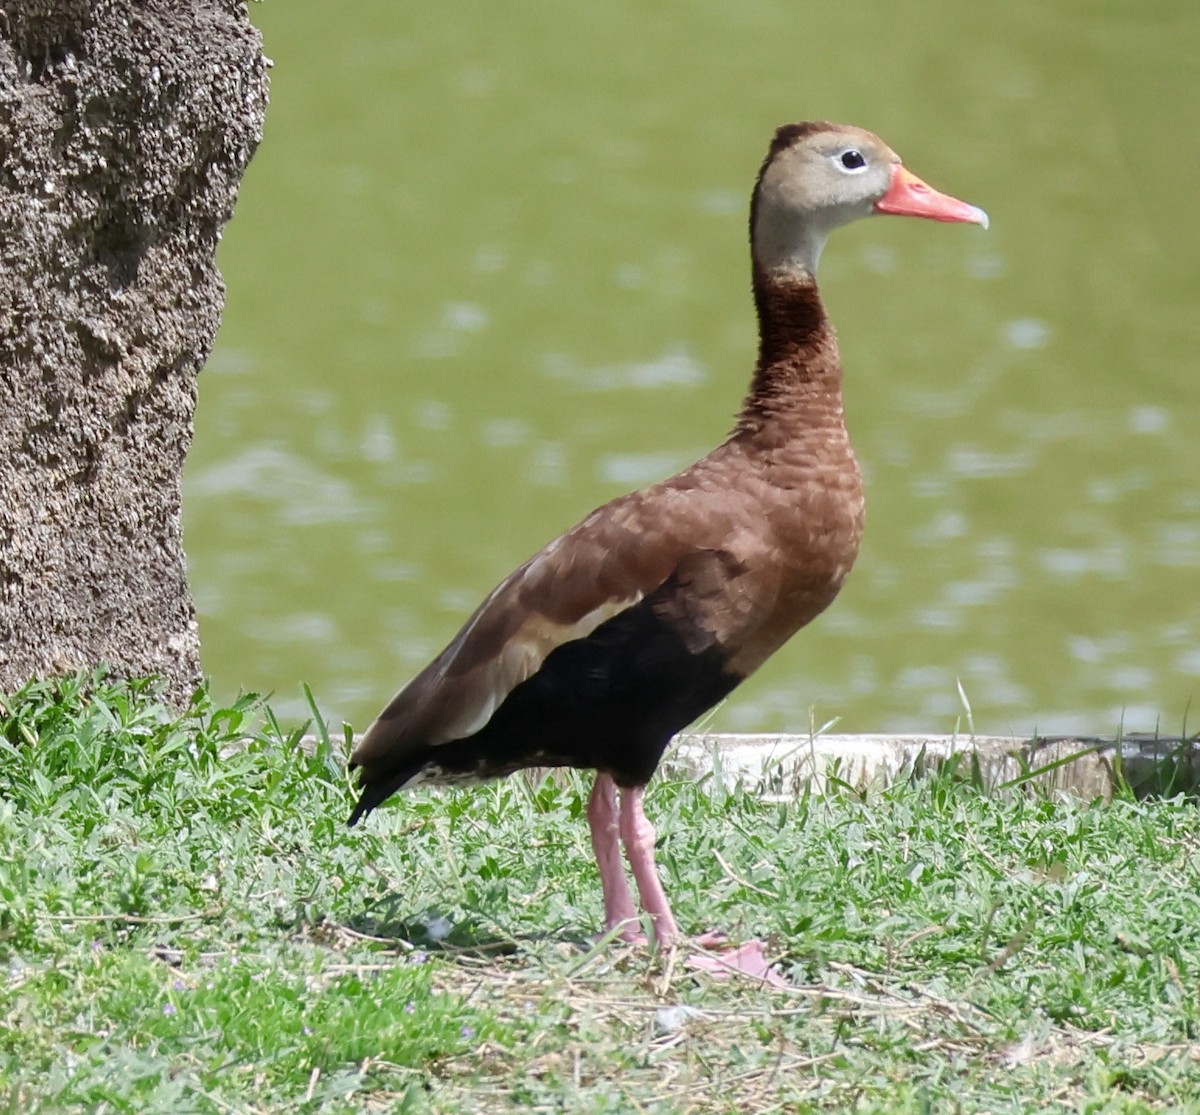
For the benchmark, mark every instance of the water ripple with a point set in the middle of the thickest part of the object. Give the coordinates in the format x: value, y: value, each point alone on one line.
x: 676, y: 367
x: 297, y: 492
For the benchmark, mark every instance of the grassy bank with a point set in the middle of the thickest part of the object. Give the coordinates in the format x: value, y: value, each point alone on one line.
x: 190, y: 927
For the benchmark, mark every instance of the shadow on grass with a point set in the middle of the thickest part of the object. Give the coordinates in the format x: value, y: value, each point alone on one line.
x: 433, y: 931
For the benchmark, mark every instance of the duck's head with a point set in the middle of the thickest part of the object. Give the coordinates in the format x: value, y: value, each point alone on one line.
x: 818, y: 176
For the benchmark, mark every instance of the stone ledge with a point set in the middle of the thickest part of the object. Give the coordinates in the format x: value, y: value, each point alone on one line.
x: 781, y: 766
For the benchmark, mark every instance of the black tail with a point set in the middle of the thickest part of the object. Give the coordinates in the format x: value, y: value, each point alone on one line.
x: 373, y: 793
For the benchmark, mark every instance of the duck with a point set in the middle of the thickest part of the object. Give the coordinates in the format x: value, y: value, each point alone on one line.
x: 619, y: 633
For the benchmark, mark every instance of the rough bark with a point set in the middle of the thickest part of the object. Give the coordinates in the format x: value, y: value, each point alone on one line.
x: 125, y: 128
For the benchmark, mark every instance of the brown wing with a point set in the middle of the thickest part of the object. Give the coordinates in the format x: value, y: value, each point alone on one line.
x: 615, y: 557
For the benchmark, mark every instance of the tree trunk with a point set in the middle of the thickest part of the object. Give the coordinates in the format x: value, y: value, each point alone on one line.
x: 125, y: 128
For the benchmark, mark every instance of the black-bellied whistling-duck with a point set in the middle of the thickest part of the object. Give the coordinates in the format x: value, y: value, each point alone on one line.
x: 624, y: 630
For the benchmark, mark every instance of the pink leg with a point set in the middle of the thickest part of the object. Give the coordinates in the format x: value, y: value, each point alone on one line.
x: 637, y: 834
x: 603, y: 821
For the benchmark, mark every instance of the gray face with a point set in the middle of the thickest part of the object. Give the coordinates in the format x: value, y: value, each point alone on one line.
x: 825, y: 179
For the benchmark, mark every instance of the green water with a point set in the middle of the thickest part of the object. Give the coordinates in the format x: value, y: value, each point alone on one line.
x: 489, y: 269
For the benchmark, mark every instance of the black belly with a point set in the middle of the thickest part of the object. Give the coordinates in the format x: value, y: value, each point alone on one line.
x: 608, y: 702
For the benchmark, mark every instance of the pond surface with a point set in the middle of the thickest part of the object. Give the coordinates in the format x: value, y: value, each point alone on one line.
x: 489, y: 269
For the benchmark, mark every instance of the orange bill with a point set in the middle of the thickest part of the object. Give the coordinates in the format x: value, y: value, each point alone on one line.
x: 908, y: 196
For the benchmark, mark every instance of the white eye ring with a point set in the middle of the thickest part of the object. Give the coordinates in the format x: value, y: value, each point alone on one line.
x: 852, y: 161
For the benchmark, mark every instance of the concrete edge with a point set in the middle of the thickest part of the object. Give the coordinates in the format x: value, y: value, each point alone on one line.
x: 782, y: 766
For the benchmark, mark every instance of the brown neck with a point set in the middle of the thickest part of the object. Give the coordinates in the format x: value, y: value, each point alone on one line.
x: 798, y: 365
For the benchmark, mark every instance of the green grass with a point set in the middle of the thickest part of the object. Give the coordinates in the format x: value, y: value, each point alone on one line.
x: 186, y: 925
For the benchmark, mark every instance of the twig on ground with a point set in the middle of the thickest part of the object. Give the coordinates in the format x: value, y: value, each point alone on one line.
x: 729, y: 871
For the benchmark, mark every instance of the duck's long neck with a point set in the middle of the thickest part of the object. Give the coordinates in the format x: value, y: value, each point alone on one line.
x: 798, y: 379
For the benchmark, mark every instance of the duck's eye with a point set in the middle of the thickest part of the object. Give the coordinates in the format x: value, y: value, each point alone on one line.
x: 852, y: 160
